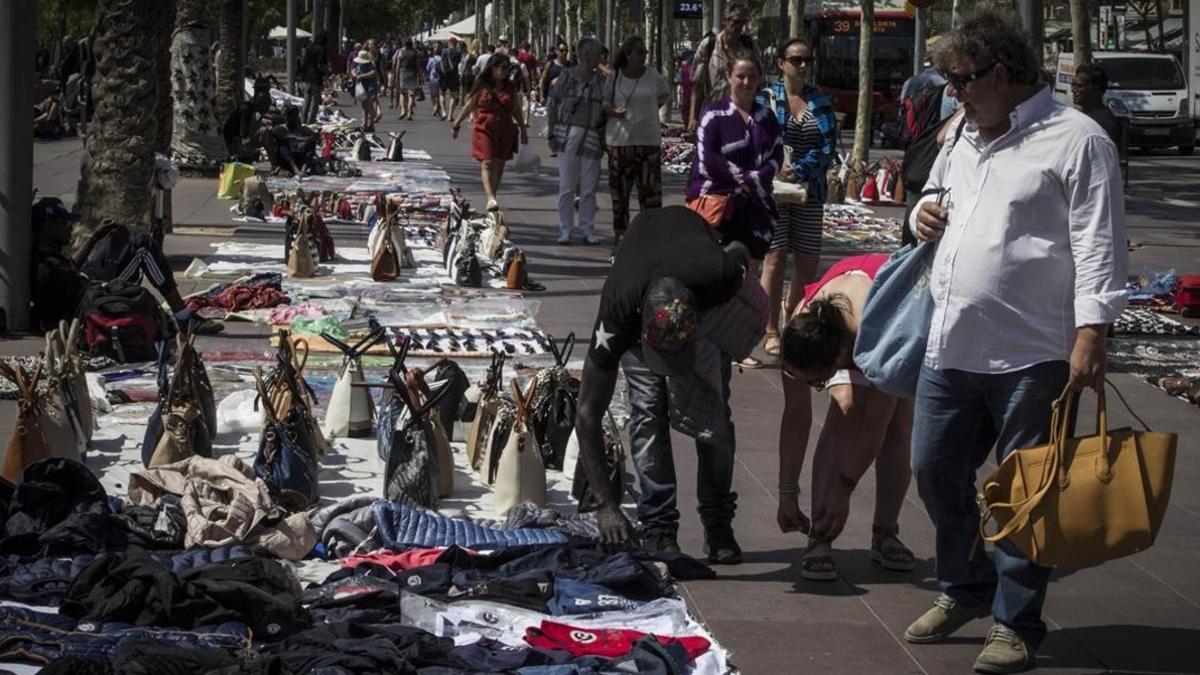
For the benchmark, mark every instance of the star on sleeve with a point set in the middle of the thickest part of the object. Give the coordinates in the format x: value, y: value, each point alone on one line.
x: 601, y: 338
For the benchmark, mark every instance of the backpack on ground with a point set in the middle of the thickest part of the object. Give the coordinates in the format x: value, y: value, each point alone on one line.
x: 122, y: 321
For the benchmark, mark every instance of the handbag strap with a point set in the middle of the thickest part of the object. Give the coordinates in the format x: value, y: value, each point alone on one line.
x: 524, y: 403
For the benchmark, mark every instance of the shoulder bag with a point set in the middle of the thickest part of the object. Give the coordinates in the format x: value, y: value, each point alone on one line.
x: 1078, y: 502
x: 61, y: 425
x: 184, y: 422
x: 520, y: 475
x: 28, y: 444
x: 614, y: 469
x: 787, y: 192
x: 350, y: 411
x: 385, y: 250
x: 484, y: 415
x: 553, y: 410
x: 72, y: 372
x: 301, y: 261
x: 406, y: 442
x: 287, y: 452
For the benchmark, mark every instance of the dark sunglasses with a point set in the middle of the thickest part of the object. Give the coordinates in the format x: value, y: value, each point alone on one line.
x: 799, y: 60
x: 961, y: 80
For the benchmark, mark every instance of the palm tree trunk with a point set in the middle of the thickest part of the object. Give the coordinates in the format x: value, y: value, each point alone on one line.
x: 196, y: 145
x: 118, y: 158
x: 866, y: 88
x: 1081, y: 34
x: 666, y: 27
x: 230, y: 68
x: 1158, y: 11
x: 796, y: 18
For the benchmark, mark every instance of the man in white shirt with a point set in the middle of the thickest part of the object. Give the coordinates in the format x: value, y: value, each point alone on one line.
x: 1027, y: 208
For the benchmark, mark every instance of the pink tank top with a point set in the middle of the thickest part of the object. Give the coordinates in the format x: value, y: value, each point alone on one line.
x: 868, y: 264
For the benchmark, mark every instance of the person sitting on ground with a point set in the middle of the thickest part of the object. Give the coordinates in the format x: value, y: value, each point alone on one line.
x: 863, y: 424
x: 114, y: 251
x: 241, y: 128
x: 47, y: 120
x: 292, y: 146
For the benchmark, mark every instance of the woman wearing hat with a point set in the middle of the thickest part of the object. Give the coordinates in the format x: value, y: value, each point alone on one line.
x: 366, y: 88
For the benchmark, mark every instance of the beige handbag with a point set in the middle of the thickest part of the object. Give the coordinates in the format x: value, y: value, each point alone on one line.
x: 485, y: 411
x: 255, y: 188
x: 68, y: 335
x: 491, y: 240
x: 520, y: 475
x: 301, y: 258
x: 350, y: 411
x: 787, y: 192
x: 60, y: 422
x: 1077, y: 502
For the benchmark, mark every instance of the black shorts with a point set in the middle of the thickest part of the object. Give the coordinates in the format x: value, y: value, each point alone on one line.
x: 449, y: 82
x: 739, y: 228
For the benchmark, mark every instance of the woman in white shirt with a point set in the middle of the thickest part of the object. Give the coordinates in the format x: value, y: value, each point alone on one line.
x: 633, y: 135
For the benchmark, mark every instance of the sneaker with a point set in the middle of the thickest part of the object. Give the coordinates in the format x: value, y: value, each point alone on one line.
x: 591, y: 239
x: 1004, y: 652
x: 720, y: 546
x: 564, y: 240
x: 946, y: 616
x: 659, y: 540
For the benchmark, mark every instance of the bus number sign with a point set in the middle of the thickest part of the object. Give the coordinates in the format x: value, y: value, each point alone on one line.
x: 882, y: 27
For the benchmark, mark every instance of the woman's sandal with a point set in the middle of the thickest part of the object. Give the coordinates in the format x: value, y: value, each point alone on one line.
x: 749, y: 363
x: 888, y: 551
x: 771, y: 345
x: 818, y: 567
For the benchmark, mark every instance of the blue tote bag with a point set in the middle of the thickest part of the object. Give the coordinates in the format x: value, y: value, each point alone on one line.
x: 894, y: 327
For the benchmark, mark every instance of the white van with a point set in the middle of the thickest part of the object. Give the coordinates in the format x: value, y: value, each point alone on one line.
x: 1147, y: 90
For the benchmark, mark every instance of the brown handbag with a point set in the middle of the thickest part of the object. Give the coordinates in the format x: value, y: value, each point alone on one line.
x: 1077, y: 502
x: 385, y: 258
x: 27, y: 444
x: 295, y: 351
x: 188, y: 421
x: 517, y: 276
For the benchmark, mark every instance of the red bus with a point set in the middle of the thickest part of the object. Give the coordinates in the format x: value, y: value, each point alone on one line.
x: 834, y: 29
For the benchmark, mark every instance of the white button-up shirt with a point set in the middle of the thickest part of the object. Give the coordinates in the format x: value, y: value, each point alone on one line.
x: 1035, y: 243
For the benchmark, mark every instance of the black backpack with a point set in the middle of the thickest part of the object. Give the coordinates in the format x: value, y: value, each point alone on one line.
x: 122, y: 321
x: 921, y: 119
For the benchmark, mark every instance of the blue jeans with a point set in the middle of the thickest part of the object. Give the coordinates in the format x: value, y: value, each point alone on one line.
x: 650, y: 447
x: 959, y: 417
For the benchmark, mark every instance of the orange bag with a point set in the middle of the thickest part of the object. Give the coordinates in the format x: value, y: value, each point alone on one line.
x: 712, y: 207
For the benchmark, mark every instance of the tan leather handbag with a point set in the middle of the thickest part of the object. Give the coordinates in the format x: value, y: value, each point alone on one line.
x: 301, y: 259
x: 520, y: 475
x: 485, y: 411
x: 1077, y: 502
x: 385, y: 250
x: 517, y: 276
x: 27, y: 444
x: 60, y: 422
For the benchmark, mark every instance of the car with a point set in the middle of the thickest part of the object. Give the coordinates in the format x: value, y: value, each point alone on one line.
x: 1145, y: 90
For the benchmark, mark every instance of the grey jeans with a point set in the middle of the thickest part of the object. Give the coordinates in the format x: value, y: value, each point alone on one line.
x: 650, y: 447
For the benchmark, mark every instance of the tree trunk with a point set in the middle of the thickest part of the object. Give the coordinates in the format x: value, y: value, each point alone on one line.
x: 1081, y: 34
x: 953, y: 14
x: 795, y: 18
x: 118, y: 160
x: 230, y: 67
x: 60, y: 31
x: 1158, y: 12
x: 667, y: 55
x: 196, y: 145
x: 862, y: 118
x: 480, y: 31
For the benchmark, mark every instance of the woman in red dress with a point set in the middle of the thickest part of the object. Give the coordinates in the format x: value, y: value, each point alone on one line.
x: 494, y: 133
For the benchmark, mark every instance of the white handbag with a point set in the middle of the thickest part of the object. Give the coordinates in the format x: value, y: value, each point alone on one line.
x: 351, y: 412
x: 787, y: 192
x: 387, y: 226
x: 520, y: 474
x: 72, y: 366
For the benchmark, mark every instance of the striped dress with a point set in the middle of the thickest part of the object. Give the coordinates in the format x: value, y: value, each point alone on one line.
x: 799, y: 226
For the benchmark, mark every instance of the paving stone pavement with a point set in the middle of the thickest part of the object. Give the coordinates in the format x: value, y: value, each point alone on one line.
x: 1136, y: 615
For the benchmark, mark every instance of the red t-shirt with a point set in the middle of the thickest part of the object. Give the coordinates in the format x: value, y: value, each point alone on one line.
x: 606, y: 642
x: 868, y: 263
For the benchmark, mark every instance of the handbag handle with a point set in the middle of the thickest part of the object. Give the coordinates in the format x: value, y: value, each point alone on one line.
x: 524, y: 403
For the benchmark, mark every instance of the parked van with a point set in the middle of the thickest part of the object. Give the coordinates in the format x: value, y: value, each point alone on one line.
x: 1147, y: 90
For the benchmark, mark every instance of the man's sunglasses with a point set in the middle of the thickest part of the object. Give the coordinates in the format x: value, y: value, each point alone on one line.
x: 799, y: 60
x: 961, y: 80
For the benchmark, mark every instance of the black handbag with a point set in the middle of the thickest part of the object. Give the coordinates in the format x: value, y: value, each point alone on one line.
x: 614, y: 471
x: 467, y: 272
x: 448, y: 376
x: 287, y: 452
x: 412, y: 470
x: 554, y: 409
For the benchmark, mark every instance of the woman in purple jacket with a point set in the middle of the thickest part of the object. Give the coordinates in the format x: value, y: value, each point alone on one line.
x: 739, y: 148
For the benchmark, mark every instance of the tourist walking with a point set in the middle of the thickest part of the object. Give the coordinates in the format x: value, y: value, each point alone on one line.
x: 450, y: 80
x: 497, y: 125
x: 710, y: 65
x: 633, y: 134
x: 575, y: 117
x: 433, y: 73
x: 810, y: 135
x: 863, y: 425
x: 1029, y: 274
x: 366, y: 88
x: 408, y: 78
x: 314, y: 68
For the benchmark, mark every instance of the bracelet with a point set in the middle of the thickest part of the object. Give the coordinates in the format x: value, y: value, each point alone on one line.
x: 788, y: 489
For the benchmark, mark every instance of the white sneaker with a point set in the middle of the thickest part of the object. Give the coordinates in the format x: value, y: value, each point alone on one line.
x: 564, y: 240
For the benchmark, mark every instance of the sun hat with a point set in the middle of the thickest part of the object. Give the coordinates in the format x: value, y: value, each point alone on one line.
x: 363, y: 57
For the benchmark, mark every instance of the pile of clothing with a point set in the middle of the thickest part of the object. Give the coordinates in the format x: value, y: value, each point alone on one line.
x: 261, y: 291
x: 125, y: 586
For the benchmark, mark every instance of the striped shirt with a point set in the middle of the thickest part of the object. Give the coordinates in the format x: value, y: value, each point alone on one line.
x: 579, y: 104
x: 810, y: 161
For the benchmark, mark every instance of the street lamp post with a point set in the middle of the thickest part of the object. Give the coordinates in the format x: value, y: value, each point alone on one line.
x: 16, y: 160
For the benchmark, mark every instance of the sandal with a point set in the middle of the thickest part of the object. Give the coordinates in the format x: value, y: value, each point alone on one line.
x: 749, y: 363
x: 888, y: 551
x: 818, y: 567
x: 771, y: 345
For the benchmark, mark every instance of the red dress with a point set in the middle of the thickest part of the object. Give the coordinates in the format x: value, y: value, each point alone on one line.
x: 494, y: 134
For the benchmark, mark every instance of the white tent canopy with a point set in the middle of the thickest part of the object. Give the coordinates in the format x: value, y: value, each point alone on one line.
x: 461, y: 29
x: 280, y: 33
